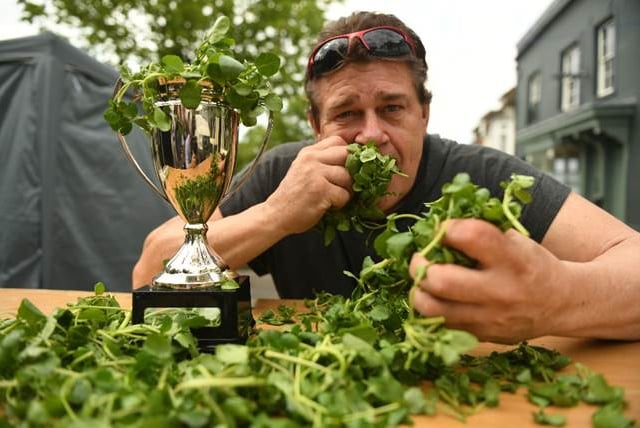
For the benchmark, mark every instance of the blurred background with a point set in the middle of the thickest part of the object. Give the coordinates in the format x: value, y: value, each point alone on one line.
x: 552, y: 81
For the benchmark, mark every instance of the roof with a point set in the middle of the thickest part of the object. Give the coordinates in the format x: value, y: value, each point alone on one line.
x: 547, y: 17
x: 47, y: 43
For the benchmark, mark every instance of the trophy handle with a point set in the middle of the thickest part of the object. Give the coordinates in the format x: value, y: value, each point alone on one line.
x: 132, y: 159
x: 245, y: 175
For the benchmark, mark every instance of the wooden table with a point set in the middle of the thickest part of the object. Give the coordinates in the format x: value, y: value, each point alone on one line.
x: 618, y: 361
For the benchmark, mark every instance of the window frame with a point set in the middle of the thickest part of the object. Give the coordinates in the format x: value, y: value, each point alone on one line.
x: 605, y: 55
x: 534, y: 96
x: 570, y: 59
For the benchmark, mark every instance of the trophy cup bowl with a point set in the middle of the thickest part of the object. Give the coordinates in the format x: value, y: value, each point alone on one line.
x: 194, y: 162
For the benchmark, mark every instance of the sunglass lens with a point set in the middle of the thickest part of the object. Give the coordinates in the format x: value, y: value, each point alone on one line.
x: 385, y: 42
x: 329, y: 55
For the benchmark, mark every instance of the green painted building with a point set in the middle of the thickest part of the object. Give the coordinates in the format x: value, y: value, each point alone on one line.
x: 577, y: 99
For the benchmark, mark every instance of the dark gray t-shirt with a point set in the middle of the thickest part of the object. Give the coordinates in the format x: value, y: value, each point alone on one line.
x: 301, y: 264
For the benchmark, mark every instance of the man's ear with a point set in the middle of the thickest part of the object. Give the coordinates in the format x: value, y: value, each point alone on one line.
x: 314, y: 124
x: 425, y: 114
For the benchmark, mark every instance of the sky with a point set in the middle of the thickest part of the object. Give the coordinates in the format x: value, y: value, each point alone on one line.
x: 470, y: 44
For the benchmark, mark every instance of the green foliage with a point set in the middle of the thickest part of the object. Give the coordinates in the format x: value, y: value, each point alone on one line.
x: 288, y: 28
x: 282, y: 315
x: 371, y: 173
x: 214, y: 75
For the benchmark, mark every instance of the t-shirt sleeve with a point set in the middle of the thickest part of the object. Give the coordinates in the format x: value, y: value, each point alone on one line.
x: 264, y: 179
x: 548, y: 196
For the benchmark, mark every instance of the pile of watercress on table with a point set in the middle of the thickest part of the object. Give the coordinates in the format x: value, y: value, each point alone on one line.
x: 371, y: 172
x: 215, y: 75
x: 355, y: 362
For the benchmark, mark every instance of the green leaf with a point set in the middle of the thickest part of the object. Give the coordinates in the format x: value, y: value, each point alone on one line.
x: 368, y: 155
x: 99, y: 288
x: 379, y: 313
x: 273, y: 102
x: 611, y: 416
x: 491, y: 391
x: 80, y: 391
x: 215, y: 73
x: 414, y: 398
x: 219, y: 30
x: 30, y: 314
x: 598, y: 391
x: 173, y: 64
x: 242, y: 89
x: 229, y: 284
x: 158, y: 345
x: 161, y: 119
x: 399, y: 243
x: 190, y: 94
x: 230, y: 67
x: 544, y: 419
x: 232, y: 354
x: 268, y: 64
x: 195, y: 418
x: 363, y: 348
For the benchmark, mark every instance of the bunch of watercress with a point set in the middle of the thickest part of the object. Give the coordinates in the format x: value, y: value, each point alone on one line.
x: 214, y: 75
x: 371, y: 172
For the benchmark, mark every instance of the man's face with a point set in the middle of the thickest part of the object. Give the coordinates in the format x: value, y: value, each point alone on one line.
x: 375, y: 101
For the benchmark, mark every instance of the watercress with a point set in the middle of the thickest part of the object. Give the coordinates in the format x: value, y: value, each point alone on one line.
x: 371, y: 172
x: 214, y: 75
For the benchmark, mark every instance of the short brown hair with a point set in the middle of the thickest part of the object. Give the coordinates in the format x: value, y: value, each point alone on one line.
x: 361, y: 21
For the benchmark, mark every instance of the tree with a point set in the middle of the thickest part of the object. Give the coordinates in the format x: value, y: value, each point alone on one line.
x: 111, y: 30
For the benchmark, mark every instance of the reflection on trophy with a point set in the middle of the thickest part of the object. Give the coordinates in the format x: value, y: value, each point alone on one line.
x: 194, y: 162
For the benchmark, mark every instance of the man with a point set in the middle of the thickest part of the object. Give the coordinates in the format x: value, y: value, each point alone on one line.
x: 365, y: 82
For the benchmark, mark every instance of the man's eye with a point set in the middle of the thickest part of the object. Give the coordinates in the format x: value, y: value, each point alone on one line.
x: 392, y: 108
x: 345, y: 114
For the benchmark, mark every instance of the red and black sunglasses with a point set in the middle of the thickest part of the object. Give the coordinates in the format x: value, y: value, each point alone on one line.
x: 383, y: 41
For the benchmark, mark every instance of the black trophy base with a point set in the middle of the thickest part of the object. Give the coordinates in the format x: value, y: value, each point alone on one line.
x: 236, y: 320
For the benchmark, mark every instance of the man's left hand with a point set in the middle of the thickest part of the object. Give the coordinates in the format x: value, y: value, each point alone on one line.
x: 515, y: 293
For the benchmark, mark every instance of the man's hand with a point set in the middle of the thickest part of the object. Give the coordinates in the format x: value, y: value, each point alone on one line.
x: 316, y: 182
x: 515, y: 293
x: 161, y: 244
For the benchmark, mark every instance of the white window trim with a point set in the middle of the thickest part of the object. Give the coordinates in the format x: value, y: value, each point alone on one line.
x: 570, y: 87
x: 606, y: 56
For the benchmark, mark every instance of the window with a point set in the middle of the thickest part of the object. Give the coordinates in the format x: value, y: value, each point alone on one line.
x: 606, y: 55
x: 534, y: 97
x: 570, y: 95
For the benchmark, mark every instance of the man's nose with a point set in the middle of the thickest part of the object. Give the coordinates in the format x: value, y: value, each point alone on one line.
x: 371, y: 129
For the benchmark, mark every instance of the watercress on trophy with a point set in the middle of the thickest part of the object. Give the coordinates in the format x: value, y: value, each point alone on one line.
x: 215, y: 75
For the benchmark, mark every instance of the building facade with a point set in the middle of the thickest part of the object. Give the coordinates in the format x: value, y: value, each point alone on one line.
x: 577, y: 100
x: 497, y: 128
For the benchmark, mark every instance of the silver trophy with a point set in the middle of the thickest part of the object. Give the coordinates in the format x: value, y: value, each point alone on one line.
x: 194, y: 162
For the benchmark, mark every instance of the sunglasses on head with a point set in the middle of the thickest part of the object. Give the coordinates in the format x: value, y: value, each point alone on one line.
x: 383, y: 41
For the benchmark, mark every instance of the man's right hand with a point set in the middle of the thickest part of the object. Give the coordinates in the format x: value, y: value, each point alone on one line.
x: 316, y: 182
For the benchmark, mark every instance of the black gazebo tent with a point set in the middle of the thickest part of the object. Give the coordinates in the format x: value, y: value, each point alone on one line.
x: 72, y: 209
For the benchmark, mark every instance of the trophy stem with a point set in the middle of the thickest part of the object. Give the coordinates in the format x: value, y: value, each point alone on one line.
x: 195, y: 265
